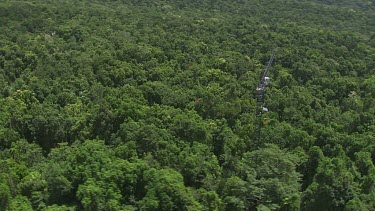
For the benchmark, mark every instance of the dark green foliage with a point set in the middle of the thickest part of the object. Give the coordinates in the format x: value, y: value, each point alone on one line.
x: 334, y: 183
x: 149, y: 105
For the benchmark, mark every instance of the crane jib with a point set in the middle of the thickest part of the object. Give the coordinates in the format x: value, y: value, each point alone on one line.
x: 269, y: 65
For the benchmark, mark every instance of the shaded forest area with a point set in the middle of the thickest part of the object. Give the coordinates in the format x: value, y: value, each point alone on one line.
x: 149, y: 105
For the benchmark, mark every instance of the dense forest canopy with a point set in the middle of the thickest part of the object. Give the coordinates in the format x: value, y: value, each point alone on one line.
x: 149, y: 105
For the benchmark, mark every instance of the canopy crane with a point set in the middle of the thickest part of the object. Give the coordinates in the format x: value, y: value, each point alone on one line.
x: 264, y: 81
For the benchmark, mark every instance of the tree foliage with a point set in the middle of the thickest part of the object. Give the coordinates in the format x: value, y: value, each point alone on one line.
x: 149, y: 105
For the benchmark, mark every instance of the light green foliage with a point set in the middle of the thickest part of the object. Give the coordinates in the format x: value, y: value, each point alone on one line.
x: 99, y: 195
x: 273, y: 173
x: 166, y: 191
x: 199, y: 166
x: 20, y: 203
x: 235, y: 193
x: 89, y: 173
x: 210, y: 200
x: 268, y: 180
x: 34, y: 186
x: 59, y: 208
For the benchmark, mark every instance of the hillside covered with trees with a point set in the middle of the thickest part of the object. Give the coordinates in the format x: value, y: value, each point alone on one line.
x: 149, y: 105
